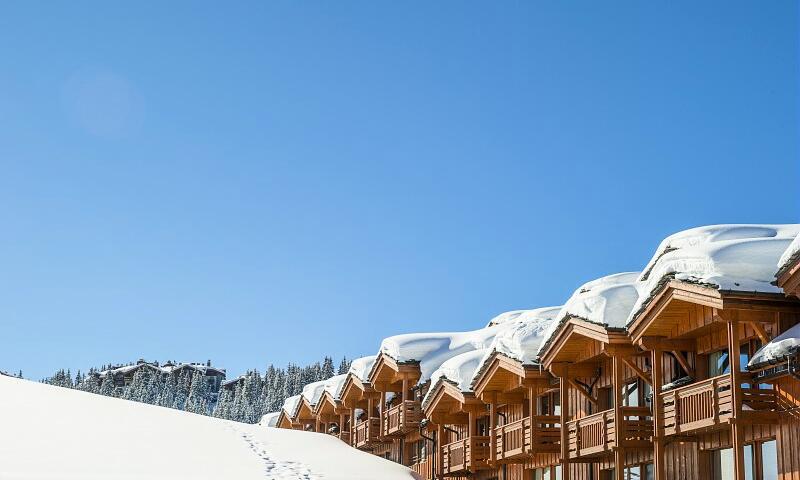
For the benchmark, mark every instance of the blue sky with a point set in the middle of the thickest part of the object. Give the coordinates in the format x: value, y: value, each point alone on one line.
x: 272, y: 182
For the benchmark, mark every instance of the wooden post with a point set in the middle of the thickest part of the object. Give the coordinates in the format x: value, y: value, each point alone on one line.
x: 658, y: 415
x: 440, y: 450
x: 381, y: 408
x: 564, y: 406
x: 492, y: 425
x: 404, y: 397
x: 737, y: 437
x: 619, y: 422
x: 353, y: 425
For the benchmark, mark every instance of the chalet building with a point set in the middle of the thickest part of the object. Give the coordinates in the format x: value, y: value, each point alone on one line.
x: 687, y: 370
x: 123, y: 375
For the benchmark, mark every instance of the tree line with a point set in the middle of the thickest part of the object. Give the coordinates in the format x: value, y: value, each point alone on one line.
x: 254, y: 394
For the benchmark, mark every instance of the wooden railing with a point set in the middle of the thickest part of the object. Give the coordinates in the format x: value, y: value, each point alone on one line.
x: 424, y: 468
x: 592, y: 434
x: 402, y: 418
x: 709, y: 403
x: 344, y: 436
x: 365, y: 434
x: 517, y: 440
x: 467, y: 455
x: 596, y: 434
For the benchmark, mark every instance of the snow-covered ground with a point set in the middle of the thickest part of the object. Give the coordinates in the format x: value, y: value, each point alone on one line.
x: 50, y: 432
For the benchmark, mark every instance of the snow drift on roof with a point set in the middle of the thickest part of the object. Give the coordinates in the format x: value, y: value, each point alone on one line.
x: 459, y: 369
x: 360, y: 367
x: 730, y: 257
x: 505, y: 317
x: 290, y: 405
x: 270, y: 419
x: 791, y: 252
x: 524, y: 335
x: 606, y: 301
x: 780, y: 347
x: 433, y: 349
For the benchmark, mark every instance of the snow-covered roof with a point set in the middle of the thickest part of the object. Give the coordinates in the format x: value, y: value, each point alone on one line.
x: 459, y: 369
x: 729, y: 257
x: 290, y: 405
x: 313, y: 391
x: 270, y: 419
x: 791, y: 253
x: 430, y: 350
x: 605, y: 301
x: 506, y: 317
x: 360, y: 367
x: 780, y: 347
x: 524, y: 335
x: 168, y: 368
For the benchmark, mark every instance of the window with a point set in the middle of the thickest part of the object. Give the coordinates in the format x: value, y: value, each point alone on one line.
x: 630, y: 394
x: 769, y: 460
x: 722, y: 463
x: 718, y: 363
x: 541, y: 473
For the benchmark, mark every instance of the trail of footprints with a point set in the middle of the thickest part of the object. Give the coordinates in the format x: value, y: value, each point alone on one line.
x: 277, y: 470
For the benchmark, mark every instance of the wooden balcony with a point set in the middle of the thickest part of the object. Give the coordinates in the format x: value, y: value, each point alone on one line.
x: 516, y: 441
x: 366, y: 433
x: 344, y: 436
x: 708, y: 404
x: 465, y: 456
x: 423, y: 468
x: 594, y: 435
x: 402, y: 418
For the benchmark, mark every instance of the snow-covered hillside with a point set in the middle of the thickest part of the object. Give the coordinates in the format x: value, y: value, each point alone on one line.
x: 55, y: 433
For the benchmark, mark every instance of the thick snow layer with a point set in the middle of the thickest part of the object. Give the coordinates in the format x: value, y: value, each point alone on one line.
x: 524, y: 335
x: 270, y: 419
x: 730, y: 257
x: 163, y: 369
x: 433, y: 349
x: 791, y: 251
x: 506, y: 317
x: 49, y: 432
x: 606, y: 301
x: 313, y: 391
x: 360, y: 367
x: 460, y: 369
x: 291, y: 404
x: 778, y: 348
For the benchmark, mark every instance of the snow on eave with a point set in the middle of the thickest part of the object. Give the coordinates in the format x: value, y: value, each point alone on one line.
x: 270, y: 419
x: 778, y: 349
x: 430, y: 350
x: 361, y: 367
x: 459, y: 370
x: 606, y: 301
x: 733, y: 257
x: 789, y: 258
x: 291, y: 405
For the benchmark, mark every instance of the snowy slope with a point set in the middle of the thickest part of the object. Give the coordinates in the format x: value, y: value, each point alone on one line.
x: 55, y: 433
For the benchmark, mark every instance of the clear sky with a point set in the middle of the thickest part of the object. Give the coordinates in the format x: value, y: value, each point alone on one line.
x: 257, y: 182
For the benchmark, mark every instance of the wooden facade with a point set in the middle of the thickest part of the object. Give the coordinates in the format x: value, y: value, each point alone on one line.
x: 659, y: 399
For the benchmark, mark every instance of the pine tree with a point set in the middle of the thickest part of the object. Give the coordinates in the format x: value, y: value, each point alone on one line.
x: 327, y: 369
x: 107, y: 387
x: 344, y: 366
x: 197, y: 401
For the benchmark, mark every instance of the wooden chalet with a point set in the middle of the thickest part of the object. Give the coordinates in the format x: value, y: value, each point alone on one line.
x: 400, y: 412
x: 332, y: 416
x: 706, y: 405
x: 788, y: 276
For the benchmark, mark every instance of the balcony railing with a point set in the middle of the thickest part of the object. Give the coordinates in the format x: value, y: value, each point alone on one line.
x: 595, y: 434
x: 423, y: 468
x: 366, y: 433
x: 467, y: 455
x: 402, y: 418
x: 344, y: 436
x: 708, y: 404
x: 519, y: 439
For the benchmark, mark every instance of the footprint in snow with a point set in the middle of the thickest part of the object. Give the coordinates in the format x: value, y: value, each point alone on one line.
x: 276, y: 470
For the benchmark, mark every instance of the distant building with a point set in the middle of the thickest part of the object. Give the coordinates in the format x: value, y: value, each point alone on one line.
x: 123, y: 374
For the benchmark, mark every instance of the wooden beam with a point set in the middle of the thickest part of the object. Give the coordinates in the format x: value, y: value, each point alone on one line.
x: 638, y: 371
x: 659, y: 470
x: 564, y: 406
x: 684, y: 363
x: 737, y: 434
x: 762, y: 334
x: 582, y: 391
x: 667, y: 344
x: 619, y: 422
